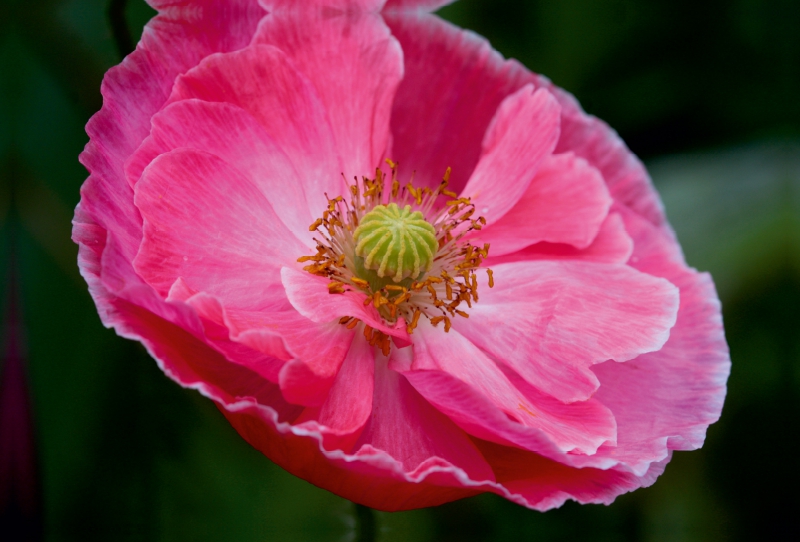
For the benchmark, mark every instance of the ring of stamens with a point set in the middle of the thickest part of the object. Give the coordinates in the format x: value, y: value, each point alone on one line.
x: 435, y: 289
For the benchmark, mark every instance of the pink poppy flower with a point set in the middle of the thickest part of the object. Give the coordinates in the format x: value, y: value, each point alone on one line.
x: 489, y: 297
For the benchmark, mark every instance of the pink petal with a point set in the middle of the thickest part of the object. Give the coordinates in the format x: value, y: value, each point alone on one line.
x: 593, y: 140
x: 310, y: 296
x: 407, y: 427
x: 445, y: 66
x: 233, y: 135
x: 665, y: 400
x: 463, y: 383
x: 566, y: 202
x: 355, y: 66
x: 204, y: 221
x: 454, y: 82
x: 522, y: 134
x: 611, y: 245
x: 223, y: 339
x: 544, y: 484
x: 349, y: 402
x: 551, y: 321
x: 264, y: 82
x: 319, y: 350
x: 316, y: 6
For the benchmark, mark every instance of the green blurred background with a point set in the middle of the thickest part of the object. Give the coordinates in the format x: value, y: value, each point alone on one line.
x: 706, y: 92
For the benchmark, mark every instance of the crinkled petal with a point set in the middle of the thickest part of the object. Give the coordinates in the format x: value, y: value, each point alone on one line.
x: 319, y: 351
x: 543, y: 484
x: 520, y: 137
x: 551, y: 321
x: 355, y: 65
x: 258, y: 411
x: 266, y: 364
x: 349, y: 402
x: 207, y: 223
x: 665, y: 400
x: 133, y: 91
x: 566, y: 203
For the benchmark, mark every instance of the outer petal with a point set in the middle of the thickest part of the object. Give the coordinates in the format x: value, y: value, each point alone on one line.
x: 136, y: 89
x: 544, y: 484
x: 258, y: 411
x: 566, y: 202
x: 551, y: 322
x: 413, y: 432
x: 207, y: 223
x: 456, y: 80
x: 521, y: 135
x: 355, y: 66
x: 666, y: 400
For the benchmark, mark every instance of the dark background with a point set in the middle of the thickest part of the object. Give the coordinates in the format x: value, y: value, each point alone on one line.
x: 706, y: 92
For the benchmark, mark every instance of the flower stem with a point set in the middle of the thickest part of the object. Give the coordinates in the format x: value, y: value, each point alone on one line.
x: 365, y: 523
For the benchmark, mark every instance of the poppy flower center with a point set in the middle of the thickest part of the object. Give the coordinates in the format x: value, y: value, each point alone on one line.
x: 395, y: 243
x: 404, y: 248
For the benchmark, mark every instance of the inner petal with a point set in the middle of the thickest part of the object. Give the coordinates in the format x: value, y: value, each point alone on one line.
x: 566, y: 202
x: 206, y: 222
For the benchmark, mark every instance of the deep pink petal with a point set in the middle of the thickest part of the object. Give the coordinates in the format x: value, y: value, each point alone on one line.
x: 551, y: 321
x: 349, y: 402
x: 310, y: 296
x: 207, y: 223
x: 566, y: 203
x: 544, y: 484
x: 263, y: 81
x: 522, y: 134
x: 413, y: 432
x: 219, y: 335
x: 260, y: 414
x: 355, y: 65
